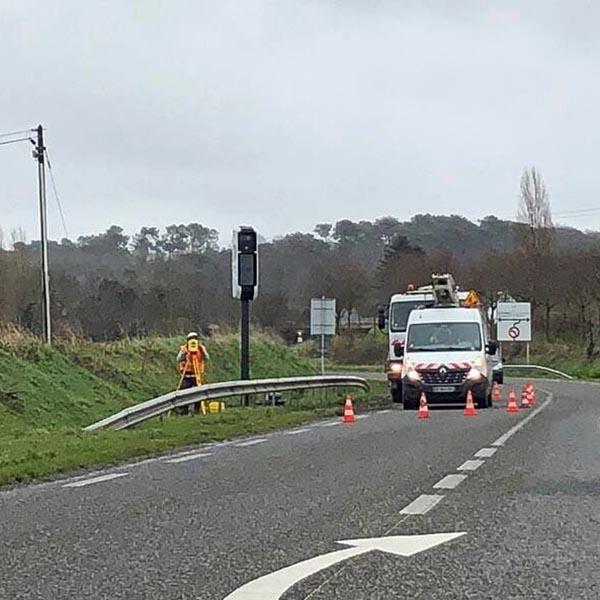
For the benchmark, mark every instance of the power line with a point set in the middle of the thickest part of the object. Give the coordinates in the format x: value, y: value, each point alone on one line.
x: 55, y: 192
x: 16, y: 133
x: 24, y: 139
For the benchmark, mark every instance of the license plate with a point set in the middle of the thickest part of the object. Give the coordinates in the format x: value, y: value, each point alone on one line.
x: 442, y: 389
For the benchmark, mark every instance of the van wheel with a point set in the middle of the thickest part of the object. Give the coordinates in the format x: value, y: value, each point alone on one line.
x: 396, y: 394
x: 482, y: 402
x: 410, y: 404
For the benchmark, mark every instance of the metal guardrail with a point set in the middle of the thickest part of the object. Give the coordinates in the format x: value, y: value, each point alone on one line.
x: 213, y: 391
x: 547, y: 369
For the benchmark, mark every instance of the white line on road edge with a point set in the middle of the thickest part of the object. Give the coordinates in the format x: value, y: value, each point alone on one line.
x: 486, y: 452
x: 423, y: 504
x: 449, y: 482
x: 296, y: 431
x: 188, y: 457
x: 503, y: 438
x: 382, y: 412
x: 84, y: 482
x: 251, y: 442
x: 329, y: 424
x: 470, y: 465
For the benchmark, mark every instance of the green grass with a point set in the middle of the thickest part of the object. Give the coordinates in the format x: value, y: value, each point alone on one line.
x: 47, y: 395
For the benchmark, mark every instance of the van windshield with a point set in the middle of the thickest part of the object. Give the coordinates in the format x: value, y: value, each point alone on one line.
x: 400, y: 311
x: 438, y: 337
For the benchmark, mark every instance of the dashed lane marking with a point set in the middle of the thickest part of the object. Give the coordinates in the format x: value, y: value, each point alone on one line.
x: 486, y: 452
x: 251, y: 443
x: 92, y: 480
x: 296, y: 431
x: 470, y: 465
x: 187, y: 457
x: 449, y: 482
x: 503, y: 438
x: 424, y: 503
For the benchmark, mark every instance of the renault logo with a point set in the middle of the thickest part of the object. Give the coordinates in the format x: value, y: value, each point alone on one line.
x: 443, y: 372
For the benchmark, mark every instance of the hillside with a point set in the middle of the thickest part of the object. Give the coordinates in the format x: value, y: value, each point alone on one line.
x: 47, y: 395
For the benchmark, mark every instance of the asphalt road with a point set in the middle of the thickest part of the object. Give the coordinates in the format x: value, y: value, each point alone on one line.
x: 203, y: 524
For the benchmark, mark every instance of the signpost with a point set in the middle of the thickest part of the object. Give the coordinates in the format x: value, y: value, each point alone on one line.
x: 514, y: 322
x: 322, y: 321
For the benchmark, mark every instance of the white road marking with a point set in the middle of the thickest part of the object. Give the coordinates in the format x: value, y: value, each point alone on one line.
x: 424, y: 503
x: 470, y: 465
x: 449, y: 482
x: 251, y: 442
x: 274, y: 585
x: 485, y: 452
x: 503, y: 438
x: 382, y: 412
x: 362, y: 416
x: 296, y: 431
x: 84, y: 482
x: 329, y: 424
x: 187, y: 457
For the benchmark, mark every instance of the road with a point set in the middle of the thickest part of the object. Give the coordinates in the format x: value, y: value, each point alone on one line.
x: 202, y: 524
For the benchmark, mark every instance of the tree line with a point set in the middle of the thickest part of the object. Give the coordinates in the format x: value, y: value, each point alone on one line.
x: 110, y: 285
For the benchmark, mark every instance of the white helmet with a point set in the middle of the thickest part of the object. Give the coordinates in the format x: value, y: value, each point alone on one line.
x: 191, y: 335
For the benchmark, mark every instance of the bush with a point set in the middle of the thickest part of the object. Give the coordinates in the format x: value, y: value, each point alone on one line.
x: 363, y: 350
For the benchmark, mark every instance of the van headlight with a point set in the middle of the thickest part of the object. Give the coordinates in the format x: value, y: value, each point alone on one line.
x: 396, y: 367
x: 474, y: 374
x: 413, y: 375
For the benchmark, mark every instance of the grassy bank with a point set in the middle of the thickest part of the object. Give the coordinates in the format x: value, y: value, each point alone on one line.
x: 47, y: 395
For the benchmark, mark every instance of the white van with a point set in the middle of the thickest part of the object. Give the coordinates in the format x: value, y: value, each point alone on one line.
x: 446, y: 353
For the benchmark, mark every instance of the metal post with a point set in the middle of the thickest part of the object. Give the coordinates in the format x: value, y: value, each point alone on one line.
x: 527, y: 352
x: 245, y: 345
x: 46, y: 319
x: 322, y: 354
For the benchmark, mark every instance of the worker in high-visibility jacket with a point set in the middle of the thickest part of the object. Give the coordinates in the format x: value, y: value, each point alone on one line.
x: 191, y: 361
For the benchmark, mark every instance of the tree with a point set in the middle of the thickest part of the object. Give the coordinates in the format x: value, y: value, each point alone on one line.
x: 534, y: 212
x: 323, y: 230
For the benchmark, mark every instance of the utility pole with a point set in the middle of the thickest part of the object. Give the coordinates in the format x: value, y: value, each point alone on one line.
x: 39, y: 155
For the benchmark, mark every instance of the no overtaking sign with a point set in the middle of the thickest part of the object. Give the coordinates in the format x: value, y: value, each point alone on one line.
x: 514, y: 321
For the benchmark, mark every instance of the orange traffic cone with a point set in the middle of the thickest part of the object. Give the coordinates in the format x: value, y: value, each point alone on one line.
x: 349, y: 416
x: 470, y: 407
x: 512, y: 403
x: 496, y: 393
x: 423, y: 408
x: 525, y: 397
x: 531, y: 391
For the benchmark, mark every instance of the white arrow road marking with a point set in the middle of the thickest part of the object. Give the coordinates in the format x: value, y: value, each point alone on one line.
x: 274, y: 585
x: 84, y: 482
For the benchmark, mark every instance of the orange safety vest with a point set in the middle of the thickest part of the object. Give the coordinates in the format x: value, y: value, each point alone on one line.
x: 186, y: 366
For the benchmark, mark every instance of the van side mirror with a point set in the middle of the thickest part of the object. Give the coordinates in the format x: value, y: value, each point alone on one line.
x: 491, y: 347
x: 398, y: 350
x: 381, y: 317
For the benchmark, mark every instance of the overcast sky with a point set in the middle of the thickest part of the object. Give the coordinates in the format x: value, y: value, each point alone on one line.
x: 285, y: 113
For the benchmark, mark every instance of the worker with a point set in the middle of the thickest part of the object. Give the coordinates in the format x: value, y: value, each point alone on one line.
x: 185, y: 361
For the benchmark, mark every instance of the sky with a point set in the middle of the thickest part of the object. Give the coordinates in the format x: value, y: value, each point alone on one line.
x: 286, y: 113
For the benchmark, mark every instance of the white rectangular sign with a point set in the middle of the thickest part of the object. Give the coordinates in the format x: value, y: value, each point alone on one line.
x: 322, y: 316
x: 514, y: 321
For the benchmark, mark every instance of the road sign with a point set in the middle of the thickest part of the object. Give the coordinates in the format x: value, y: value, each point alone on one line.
x: 514, y: 321
x: 274, y: 585
x: 322, y: 316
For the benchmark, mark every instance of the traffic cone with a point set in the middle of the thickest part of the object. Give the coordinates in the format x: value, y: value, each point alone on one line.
x: 470, y: 407
x: 423, y: 408
x: 531, y: 391
x: 512, y: 403
x: 496, y: 393
x: 349, y: 416
x: 525, y: 397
